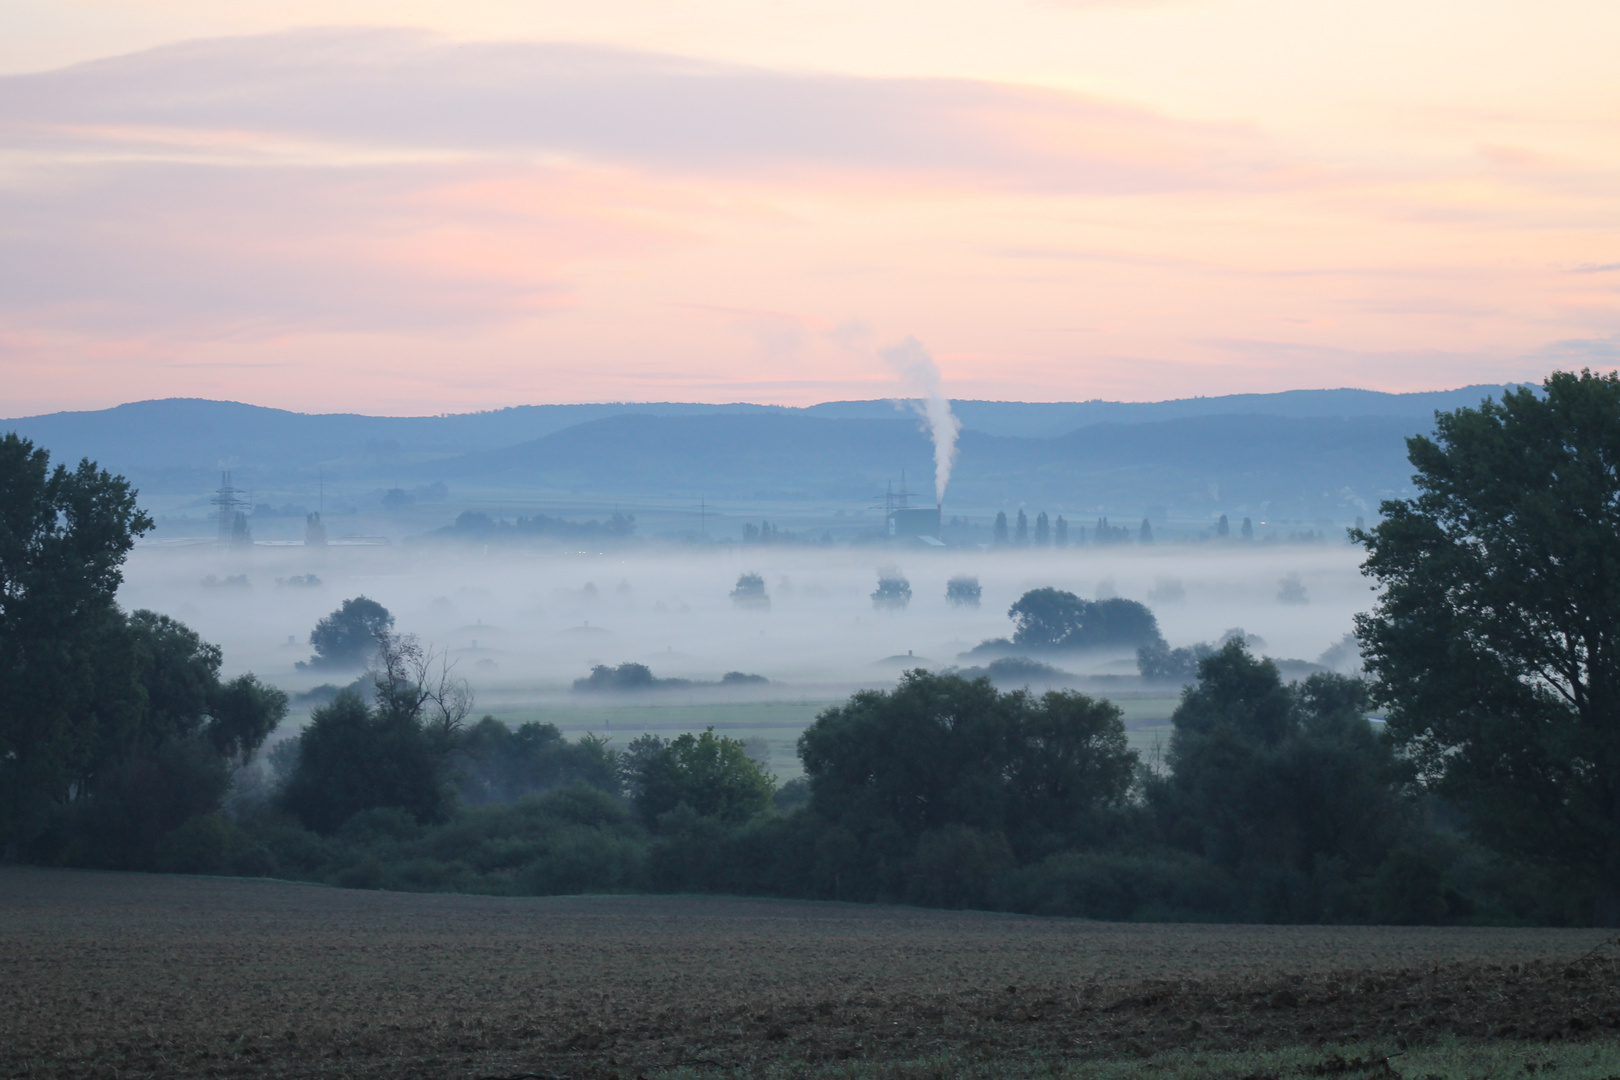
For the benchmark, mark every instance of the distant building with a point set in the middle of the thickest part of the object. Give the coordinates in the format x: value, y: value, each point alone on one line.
x: 906, y: 522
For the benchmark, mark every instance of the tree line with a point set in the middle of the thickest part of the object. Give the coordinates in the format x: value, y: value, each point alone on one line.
x: 1486, y: 793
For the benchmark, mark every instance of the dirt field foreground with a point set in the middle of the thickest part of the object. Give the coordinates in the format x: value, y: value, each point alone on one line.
x: 129, y: 975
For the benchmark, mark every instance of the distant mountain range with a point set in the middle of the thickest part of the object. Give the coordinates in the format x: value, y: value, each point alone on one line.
x: 1305, y: 454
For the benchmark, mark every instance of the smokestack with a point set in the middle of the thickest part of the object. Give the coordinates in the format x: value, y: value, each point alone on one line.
x: 912, y: 362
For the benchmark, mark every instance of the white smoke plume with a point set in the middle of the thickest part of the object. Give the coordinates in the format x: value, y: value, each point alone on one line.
x: 921, y: 375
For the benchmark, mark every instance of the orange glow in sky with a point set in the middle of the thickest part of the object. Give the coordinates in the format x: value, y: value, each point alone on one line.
x: 420, y: 207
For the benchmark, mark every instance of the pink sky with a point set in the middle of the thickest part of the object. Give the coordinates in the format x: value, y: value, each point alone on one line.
x: 432, y: 208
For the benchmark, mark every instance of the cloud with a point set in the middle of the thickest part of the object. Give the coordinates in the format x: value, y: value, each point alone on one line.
x: 210, y: 251
x: 371, y: 91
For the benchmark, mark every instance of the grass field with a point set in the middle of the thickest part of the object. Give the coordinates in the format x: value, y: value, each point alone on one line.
x: 777, y: 723
x: 132, y: 975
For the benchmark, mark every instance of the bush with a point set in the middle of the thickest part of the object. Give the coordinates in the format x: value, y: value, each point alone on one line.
x: 353, y: 758
x: 1169, y: 885
x: 1409, y: 890
x: 213, y: 844
x: 136, y: 804
x: 956, y: 867
x: 496, y: 764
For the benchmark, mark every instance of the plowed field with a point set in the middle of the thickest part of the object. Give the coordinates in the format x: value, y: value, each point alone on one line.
x: 133, y: 975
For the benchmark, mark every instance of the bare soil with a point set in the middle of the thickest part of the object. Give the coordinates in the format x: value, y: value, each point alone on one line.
x: 134, y: 975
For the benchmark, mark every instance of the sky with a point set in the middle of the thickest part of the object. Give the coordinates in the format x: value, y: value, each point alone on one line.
x: 418, y: 207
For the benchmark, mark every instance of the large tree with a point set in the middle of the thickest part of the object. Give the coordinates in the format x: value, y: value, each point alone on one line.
x: 348, y: 636
x: 1496, y: 640
x: 940, y: 751
x: 710, y: 773
x: 1055, y: 619
x: 63, y: 537
x: 1275, y: 781
x: 114, y: 729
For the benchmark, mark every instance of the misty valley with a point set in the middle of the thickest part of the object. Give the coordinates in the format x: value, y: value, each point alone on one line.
x: 1200, y: 717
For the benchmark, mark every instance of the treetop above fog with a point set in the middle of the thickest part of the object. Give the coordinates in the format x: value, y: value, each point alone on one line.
x: 348, y: 636
x: 1054, y: 619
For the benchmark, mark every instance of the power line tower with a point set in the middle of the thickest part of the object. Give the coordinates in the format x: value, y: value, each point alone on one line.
x: 895, y: 502
x: 230, y: 501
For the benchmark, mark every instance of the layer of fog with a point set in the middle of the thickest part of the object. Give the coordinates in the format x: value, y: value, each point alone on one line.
x: 521, y: 626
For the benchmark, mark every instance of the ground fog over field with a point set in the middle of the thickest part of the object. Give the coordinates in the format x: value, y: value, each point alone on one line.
x: 521, y: 626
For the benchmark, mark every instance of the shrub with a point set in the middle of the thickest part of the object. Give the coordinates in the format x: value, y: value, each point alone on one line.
x: 353, y: 758
x: 956, y: 867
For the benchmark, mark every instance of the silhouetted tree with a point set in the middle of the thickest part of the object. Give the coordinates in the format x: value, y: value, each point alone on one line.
x: 749, y: 592
x: 352, y: 757
x: 348, y: 636
x: 1247, y: 531
x: 1043, y: 534
x: 1496, y: 634
x: 1157, y: 662
x: 940, y: 751
x: 625, y: 677
x: 1145, y: 533
x: 1060, y: 532
x: 1222, y: 528
x: 1021, y: 530
x: 893, y: 591
x: 1291, y: 590
x: 962, y: 591
x: 711, y: 774
x: 494, y: 763
x: 314, y: 531
x: 1271, y: 780
x: 1054, y: 619
x: 1001, y: 528
x: 63, y: 538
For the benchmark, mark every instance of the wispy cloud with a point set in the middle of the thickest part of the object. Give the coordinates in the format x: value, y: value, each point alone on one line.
x: 358, y: 92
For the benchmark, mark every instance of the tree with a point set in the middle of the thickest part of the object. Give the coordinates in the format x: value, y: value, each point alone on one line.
x: 348, y: 636
x: 1054, y: 619
x: 354, y: 756
x: 1145, y: 533
x: 1043, y: 529
x: 1222, y: 527
x: 114, y: 729
x: 940, y: 751
x: 1268, y: 779
x: 167, y: 758
x: 1021, y: 530
x: 627, y: 677
x: 497, y: 764
x: 749, y: 592
x: 1247, y: 531
x: 963, y: 591
x: 63, y: 538
x: 893, y: 591
x: 1496, y: 639
x: 1060, y: 532
x: 1001, y: 528
x: 711, y: 774
x: 1157, y: 662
